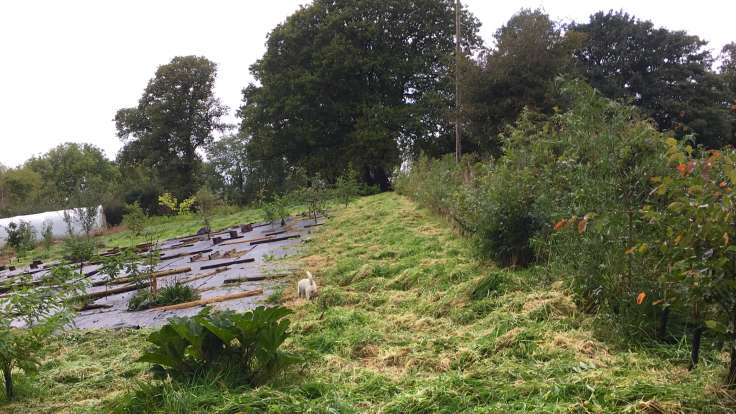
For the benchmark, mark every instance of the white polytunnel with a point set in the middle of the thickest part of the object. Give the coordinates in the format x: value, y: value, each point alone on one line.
x: 56, y: 218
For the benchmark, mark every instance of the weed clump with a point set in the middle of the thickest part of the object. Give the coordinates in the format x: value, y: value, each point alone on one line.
x: 169, y: 295
x: 244, y: 345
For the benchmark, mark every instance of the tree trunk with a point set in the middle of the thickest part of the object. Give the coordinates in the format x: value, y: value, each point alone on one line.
x: 695, y: 353
x: 731, y: 378
x: 377, y: 176
x: 664, y: 317
x: 7, y: 374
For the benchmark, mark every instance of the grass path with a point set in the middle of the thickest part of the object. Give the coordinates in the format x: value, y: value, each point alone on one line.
x: 409, y: 321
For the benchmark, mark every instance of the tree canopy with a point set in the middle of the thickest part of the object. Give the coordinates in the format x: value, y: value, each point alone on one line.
x: 666, y: 73
x: 67, y: 176
x: 530, y: 51
x: 74, y: 175
x: 177, y: 114
x: 355, y: 81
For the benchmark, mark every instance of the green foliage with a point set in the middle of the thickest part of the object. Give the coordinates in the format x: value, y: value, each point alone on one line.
x: 207, y: 203
x: 169, y: 295
x: 135, y: 219
x: 491, y: 285
x: 186, y: 205
x: 519, y: 347
x: 432, y: 182
x: 519, y: 71
x: 174, y: 206
x: 694, y: 253
x: 47, y: 234
x: 316, y: 195
x: 21, y: 237
x: 281, y: 205
x: 665, y: 73
x: 169, y: 202
x: 21, y: 191
x: 40, y: 310
x: 506, y: 220
x: 269, y: 211
x: 79, y: 249
x: 233, y: 174
x: 392, y: 96
x: 85, y: 218
x: 127, y: 262
x: 176, y: 115
x: 567, y: 189
x: 246, y: 344
x: 75, y: 176
x: 347, y: 187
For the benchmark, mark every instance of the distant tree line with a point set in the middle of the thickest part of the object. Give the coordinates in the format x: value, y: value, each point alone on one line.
x: 368, y: 85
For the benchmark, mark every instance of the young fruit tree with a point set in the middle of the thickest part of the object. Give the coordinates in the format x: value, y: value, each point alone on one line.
x: 696, y: 218
x: 29, y: 315
x: 206, y: 203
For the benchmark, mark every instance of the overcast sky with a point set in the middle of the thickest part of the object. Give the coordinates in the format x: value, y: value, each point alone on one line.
x: 67, y: 66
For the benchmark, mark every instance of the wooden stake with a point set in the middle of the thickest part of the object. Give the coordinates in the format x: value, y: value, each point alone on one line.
x: 458, y: 149
x: 162, y: 273
x: 214, y: 299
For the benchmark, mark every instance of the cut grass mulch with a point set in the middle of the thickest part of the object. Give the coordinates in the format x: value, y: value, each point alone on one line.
x: 407, y: 320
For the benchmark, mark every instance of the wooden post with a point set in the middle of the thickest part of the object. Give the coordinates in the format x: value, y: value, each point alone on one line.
x: 8, y: 376
x: 458, y: 149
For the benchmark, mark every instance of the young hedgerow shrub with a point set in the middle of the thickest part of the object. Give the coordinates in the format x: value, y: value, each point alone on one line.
x: 206, y: 203
x: 135, y: 220
x: 566, y: 190
x: 47, y: 234
x: 316, y: 195
x: 242, y: 344
x: 347, y: 187
x: 169, y: 295
x: 694, y: 251
x: 431, y: 182
x: 506, y: 221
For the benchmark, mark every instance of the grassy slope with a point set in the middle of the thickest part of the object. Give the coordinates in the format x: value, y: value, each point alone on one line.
x: 395, y: 330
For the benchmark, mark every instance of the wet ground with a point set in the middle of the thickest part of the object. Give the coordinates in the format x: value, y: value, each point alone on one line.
x: 265, y: 244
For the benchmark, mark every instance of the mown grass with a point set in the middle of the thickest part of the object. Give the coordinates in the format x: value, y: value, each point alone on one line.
x: 408, y: 320
x: 78, y: 371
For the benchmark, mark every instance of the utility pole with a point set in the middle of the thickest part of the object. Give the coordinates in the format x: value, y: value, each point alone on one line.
x: 458, y: 150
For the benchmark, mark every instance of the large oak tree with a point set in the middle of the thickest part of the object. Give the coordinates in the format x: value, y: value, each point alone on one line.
x: 666, y: 73
x: 356, y: 82
x: 176, y: 115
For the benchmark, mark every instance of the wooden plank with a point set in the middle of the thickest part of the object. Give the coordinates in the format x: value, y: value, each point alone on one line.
x: 94, y: 306
x: 214, y: 299
x: 275, y: 239
x: 177, y: 246
x: 234, y: 262
x: 244, y: 279
x: 162, y: 273
x: 89, y: 297
x: 184, y: 254
x: 198, y: 277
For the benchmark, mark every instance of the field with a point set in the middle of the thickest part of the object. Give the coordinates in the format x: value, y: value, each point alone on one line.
x: 408, y: 320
